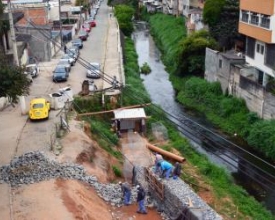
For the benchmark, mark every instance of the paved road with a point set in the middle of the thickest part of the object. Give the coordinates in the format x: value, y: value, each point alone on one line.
x: 17, y: 134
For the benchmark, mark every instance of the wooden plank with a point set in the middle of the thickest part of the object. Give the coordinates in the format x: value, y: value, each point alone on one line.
x: 108, y: 111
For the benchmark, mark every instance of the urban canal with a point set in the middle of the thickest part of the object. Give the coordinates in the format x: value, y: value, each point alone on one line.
x: 256, y: 175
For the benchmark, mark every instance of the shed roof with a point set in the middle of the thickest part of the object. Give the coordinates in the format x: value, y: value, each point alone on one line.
x: 129, y: 113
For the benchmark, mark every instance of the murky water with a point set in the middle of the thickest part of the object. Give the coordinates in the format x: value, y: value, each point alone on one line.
x: 253, y: 173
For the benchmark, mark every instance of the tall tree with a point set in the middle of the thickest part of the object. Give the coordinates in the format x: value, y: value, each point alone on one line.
x: 222, y: 17
x: 193, y: 52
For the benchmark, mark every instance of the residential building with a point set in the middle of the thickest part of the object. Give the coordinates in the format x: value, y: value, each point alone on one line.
x: 192, y: 10
x: 257, y: 23
x: 5, y: 36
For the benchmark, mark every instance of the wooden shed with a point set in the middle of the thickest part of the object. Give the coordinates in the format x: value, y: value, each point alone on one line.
x: 130, y: 120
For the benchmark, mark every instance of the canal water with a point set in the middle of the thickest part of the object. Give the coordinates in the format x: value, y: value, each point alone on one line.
x: 255, y: 174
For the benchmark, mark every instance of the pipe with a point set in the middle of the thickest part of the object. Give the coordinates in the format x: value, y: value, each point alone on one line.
x: 165, y: 153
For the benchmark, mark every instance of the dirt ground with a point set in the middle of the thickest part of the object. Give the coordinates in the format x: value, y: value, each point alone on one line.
x: 70, y: 199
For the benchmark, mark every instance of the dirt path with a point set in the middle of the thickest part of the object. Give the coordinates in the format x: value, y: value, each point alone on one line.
x: 70, y: 199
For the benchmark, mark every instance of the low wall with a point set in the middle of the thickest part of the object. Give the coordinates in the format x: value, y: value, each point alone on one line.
x: 177, y: 196
x: 3, y: 103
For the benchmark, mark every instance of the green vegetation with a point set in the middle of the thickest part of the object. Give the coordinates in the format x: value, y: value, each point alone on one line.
x: 222, y: 17
x: 230, y: 200
x: 145, y: 69
x: 13, y: 81
x: 117, y: 171
x: 193, y: 53
x: 133, y: 83
x: 124, y: 15
x: 212, y: 11
x: 161, y: 27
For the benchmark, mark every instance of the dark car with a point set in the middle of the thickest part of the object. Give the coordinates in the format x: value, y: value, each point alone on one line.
x: 77, y: 43
x: 66, y: 64
x: 60, y: 74
x: 83, y: 35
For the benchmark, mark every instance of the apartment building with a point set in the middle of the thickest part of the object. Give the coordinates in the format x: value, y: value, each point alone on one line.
x: 257, y: 23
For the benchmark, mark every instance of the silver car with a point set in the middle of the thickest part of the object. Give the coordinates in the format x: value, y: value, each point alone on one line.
x: 93, y: 71
x: 69, y: 58
x: 32, y: 69
x: 66, y: 64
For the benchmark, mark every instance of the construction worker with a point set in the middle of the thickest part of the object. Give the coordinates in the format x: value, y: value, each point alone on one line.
x: 158, y: 159
x: 177, y: 170
x: 166, y: 169
x: 140, y: 199
x: 126, y: 192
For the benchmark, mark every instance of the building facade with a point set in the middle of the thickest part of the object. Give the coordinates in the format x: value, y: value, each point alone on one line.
x: 257, y: 23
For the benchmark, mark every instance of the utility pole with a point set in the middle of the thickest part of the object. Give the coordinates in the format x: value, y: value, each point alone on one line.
x: 15, y: 54
x: 13, y: 37
x: 60, y: 24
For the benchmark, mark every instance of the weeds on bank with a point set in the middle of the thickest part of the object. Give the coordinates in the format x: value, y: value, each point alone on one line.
x: 230, y: 200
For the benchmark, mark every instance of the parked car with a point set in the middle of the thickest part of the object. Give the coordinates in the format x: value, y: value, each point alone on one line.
x: 69, y: 58
x: 73, y: 52
x: 86, y: 27
x: 66, y: 64
x: 91, y: 22
x: 60, y: 74
x: 29, y: 77
x: 93, y: 71
x: 32, y: 69
x: 77, y: 43
x: 39, y: 109
x: 83, y: 35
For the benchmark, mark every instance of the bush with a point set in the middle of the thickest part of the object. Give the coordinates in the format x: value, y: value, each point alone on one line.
x: 117, y: 171
x: 145, y: 69
x: 124, y: 15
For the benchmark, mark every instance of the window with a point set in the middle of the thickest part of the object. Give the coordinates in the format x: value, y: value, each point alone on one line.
x: 260, y: 48
x: 220, y: 64
x: 269, y: 56
x: 254, y: 19
x: 250, y: 47
x: 265, y: 21
x: 245, y: 16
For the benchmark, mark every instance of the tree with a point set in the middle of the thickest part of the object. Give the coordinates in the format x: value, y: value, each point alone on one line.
x: 124, y: 15
x: 13, y: 81
x: 192, y: 53
x: 222, y: 17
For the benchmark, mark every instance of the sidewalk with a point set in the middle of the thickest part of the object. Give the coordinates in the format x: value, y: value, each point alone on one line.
x: 113, y: 65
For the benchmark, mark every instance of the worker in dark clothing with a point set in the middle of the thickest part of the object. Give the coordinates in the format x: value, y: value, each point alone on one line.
x: 140, y: 199
x: 177, y: 170
x: 126, y: 192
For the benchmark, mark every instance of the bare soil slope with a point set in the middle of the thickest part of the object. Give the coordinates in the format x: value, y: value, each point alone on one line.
x: 70, y: 199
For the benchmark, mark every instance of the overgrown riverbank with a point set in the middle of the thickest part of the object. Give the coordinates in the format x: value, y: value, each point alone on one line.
x: 236, y: 194
x: 227, y: 198
x: 228, y: 113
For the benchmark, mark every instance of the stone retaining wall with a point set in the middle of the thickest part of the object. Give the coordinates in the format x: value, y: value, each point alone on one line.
x: 177, y: 195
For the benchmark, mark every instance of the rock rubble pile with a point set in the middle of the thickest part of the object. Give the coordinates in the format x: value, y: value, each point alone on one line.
x: 34, y: 167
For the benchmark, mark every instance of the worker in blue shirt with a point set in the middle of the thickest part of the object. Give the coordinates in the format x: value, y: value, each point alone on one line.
x: 166, y: 168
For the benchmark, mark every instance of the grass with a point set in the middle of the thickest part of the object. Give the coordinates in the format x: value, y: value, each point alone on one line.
x: 117, y: 171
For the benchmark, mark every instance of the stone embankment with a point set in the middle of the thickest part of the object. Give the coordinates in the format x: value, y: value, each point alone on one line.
x: 176, y: 198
